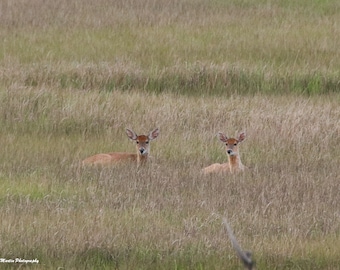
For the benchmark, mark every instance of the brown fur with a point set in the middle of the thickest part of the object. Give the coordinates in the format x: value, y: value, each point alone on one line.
x: 234, y: 164
x: 142, y: 149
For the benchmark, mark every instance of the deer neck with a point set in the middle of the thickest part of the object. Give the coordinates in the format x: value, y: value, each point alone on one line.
x: 235, y: 163
x: 141, y: 159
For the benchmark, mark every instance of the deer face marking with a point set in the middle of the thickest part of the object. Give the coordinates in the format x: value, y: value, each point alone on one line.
x: 231, y: 143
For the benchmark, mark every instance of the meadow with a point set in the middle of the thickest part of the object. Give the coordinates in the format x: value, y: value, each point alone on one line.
x: 75, y: 74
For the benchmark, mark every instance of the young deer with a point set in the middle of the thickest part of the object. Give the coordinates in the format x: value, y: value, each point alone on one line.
x: 142, y: 147
x: 234, y: 163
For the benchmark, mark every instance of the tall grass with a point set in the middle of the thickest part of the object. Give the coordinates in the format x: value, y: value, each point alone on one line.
x: 195, y: 46
x: 75, y: 74
x: 168, y: 215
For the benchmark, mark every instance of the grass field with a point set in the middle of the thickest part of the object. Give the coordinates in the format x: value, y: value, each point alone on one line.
x: 75, y: 74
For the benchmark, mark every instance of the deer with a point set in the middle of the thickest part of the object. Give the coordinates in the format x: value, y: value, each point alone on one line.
x: 245, y: 256
x: 140, y: 157
x: 234, y: 164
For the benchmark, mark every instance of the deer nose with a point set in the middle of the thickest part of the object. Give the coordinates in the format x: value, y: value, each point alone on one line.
x: 141, y: 150
x: 229, y: 151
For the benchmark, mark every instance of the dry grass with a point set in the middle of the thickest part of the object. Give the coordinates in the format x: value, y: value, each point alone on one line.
x: 76, y: 74
x: 285, y: 209
x: 203, y: 47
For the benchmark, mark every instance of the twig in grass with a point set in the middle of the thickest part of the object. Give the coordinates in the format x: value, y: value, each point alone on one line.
x: 245, y: 256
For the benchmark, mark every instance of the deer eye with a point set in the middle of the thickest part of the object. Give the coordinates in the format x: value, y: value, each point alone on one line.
x: 137, y: 142
x: 235, y: 144
x: 147, y: 142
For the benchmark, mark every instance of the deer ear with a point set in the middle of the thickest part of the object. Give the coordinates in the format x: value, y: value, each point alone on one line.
x: 154, y: 134
x: 131, y: 134
x: 241, y: 137
x: 222, y: 137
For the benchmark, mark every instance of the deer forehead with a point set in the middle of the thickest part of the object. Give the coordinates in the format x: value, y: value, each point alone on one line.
x: 231, y: 141
x: 142, y: 139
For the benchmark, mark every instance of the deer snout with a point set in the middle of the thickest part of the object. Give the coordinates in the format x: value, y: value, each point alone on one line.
x: 229, y: 151
x: 142, y: 151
